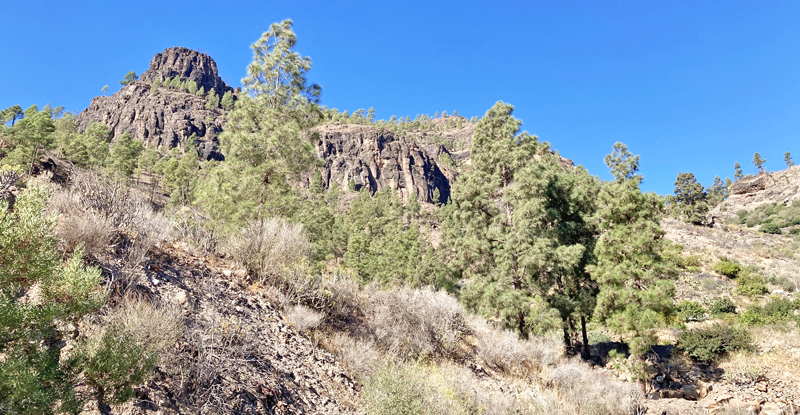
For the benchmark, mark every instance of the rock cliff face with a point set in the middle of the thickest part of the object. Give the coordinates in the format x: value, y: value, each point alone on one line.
x: 751, y: 192
x: 162, y: 116
x: 377, y: 159
x: 410, y: 163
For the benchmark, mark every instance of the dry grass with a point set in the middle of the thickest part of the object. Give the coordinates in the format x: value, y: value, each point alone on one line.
x: 267, y: 248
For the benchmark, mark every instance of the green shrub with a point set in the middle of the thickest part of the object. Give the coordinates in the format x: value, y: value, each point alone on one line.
x: 596, y: 337
x: 413, y: 389
x: 708, y: 345
x: 771, y: 228
x: 33, y: 377
x: 775, y: 311
x: 691, y: 311
x: 727, y: 268
x: 114, y: 364
x: 794, y: 231
x: 751, y: 284
x: 751, y: 222
x: 723, y: 306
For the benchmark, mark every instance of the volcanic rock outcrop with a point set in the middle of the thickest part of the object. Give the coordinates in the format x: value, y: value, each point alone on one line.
x: 377, y: 159
x: 751, y: 192
x: 160, y: 116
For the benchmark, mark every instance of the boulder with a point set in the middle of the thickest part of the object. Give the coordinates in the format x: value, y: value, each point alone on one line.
x: 690, y: 392
x: 771, y: 409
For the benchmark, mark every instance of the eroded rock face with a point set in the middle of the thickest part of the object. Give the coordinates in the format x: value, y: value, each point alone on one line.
x: 379, y: 159
x: 164, y: 117
x: 752, y: 184
x: 751, y: 192
x: 188, y: 65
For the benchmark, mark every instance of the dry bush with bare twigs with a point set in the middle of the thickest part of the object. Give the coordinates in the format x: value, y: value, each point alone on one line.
x: 92, y: 231
x: 410, y: 323
x: 93, y: 206
x: 503, y: 350
x: 360, y: 356
x: 588, y: 392
x: 303, y: 318
x: 157, y: 326
x: 267, y: 248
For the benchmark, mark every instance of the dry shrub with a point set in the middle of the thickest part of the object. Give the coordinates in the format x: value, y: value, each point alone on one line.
x: 361, y: 357
x: 92, y: 231
x: 267, y: 248
x: 214, y: 341
x: 156, y: 325
x: 588, y: 392
x: 303, y: 318
x: 489, y: 402
x: 188, y: 227
x: 414, y: 388
x: 412, y: 323
x: 503, y: 350
x: 90, y: 199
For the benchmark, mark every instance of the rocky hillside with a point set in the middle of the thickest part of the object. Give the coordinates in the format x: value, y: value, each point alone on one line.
x: 162, y: 116
x: 751, y: 192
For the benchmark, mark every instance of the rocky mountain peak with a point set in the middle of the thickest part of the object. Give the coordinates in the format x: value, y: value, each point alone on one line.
x: 161, y: 116
x: 187, y: 64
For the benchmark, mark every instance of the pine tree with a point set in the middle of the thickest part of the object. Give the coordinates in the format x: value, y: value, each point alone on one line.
x: 277, y: 74
x: 154, y: 86
x: 265, y: 144
x: 737, y: 171
x: 689, y: 201
x: 180, y: 174
x: 519, y: 228
x: 635, y: 280
x: 728, y: 184
x: 191, y: 87
x: 759, y: 162
x: 212, y: 99
x: 123, y: 159
x: 787, y: 158
x: 623, y: 164
x: 716, y: 192
x: 129, y: 77
x: 29, y: 136
x: 104, y: 89
x: 227, y: 101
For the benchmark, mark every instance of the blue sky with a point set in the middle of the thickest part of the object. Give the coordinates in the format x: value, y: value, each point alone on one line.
x: 689, y: 85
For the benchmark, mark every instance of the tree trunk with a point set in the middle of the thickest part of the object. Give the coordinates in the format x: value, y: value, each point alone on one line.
x: 573, y: 333
x: 522, y: 331
x: 585, y: 345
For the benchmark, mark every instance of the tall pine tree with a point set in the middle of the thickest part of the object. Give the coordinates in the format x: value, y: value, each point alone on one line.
x: 635, y: 280
x: 519, y: 229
